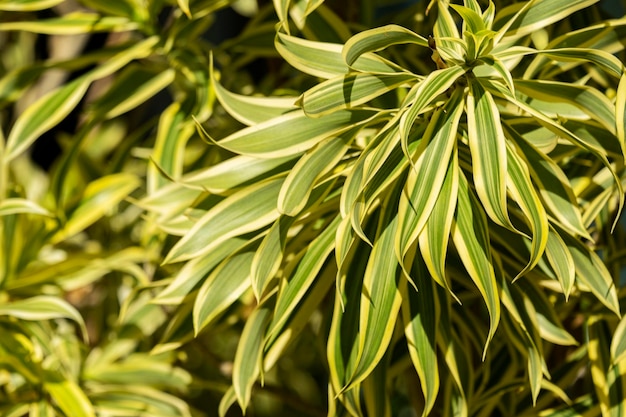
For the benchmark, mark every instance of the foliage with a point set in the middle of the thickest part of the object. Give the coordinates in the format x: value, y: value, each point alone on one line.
x: 327, y: 213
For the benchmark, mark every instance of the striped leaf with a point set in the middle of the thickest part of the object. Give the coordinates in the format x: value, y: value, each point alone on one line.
x: 232, y: 173
x: 620, y: 113
x: 43, y: 307
x: 69, y: 397
x: 618, y: 343
x: 607, y: 378
x: 245, y: 211
x: 222, y: 288
x: 523, y: 192
x: 591, y: 272
x: 302, y: 278
x: 561, y: 261
x: 425, y: 180
x: 552, y: 183
x: 350, y: 90
x: 43, y: 115
x: 290, y: 134
x: 302, y: 178
x: 20, y: 205
x: 593, y: 103
x: 324, y: 60
x: 248, y: 358
x: 426, y: 92
x: 173, y: 131
x: 380, y: 297
x: 268, y: 258
x: 251, y: 110
x: 374, y: 40
x: 434, y: 240
x: 134, y: 86
x: 28, y: 5
x: 445, y: 32
x: 470, y: 236
x: 420, y: 313
x: 489, y: 159
x: 72, y: 24
x: 537, y: 14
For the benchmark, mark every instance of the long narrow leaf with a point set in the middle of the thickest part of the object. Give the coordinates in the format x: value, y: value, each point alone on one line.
x: 470, y: 236
x: 245, y: 211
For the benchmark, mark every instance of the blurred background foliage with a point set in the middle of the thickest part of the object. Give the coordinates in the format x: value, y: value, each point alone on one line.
x: 99, y: 106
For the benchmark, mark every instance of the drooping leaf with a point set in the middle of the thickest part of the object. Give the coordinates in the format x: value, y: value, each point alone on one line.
x: 470, y: 236
x: 380, y: 296
x: 248, y: 358
x: 420, y: 313
x: 350, y: 90
x: 489, y: 159
x: 245, y: 211
x: 290, y: 134
x: 222, y: 287
x: 374, y: 40
x: 42, y: 307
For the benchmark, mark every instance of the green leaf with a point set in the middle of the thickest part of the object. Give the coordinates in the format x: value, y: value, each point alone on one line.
x: 28, y: 5
x: 21, y: 205
x: 561, y: 261
x: 470, y: 236
x: 245, y: 211
x: 620, y: 113
x: 552, y: 183
x: 425, y: 179
x: 434, y: 239
x: 269, y: 256
x: 72, y: 24
x: 593, y: 103
x: 420, y: 312
x: 380, y: 296
x: 537, y: 14
x: 42, y: 307
x: 184, y: 6
x: 488, y: 147
x: 291, y: 134
x: 173, y: 131
x: 222, y: 288
x: 248, y: 358
x: 374, y: 40
x: 471, y: 18
x: 591, y: 272
x: 523, y: 192
x: 251, y: 110
x: 350, y: 90
x: 304, y: 275
x: 618, y: 342
x: 234, y: 172
x: 302, y: 178
x: 43, y: 115
x: 69, y: 397
x: 132, y: 87
x: 99, y: 198
x: 325, y: 60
